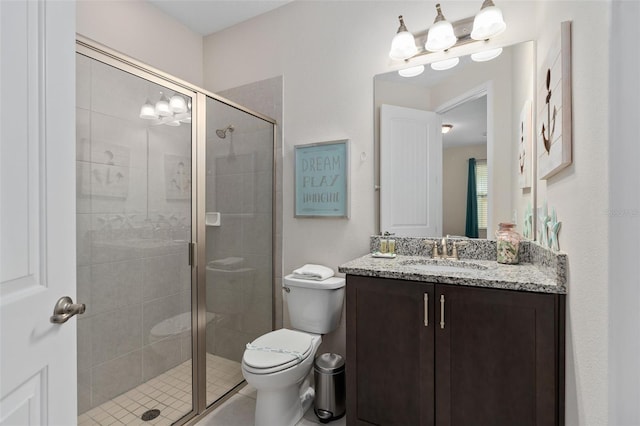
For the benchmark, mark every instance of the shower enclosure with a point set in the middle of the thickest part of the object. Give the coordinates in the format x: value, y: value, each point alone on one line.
x: 174, y: 237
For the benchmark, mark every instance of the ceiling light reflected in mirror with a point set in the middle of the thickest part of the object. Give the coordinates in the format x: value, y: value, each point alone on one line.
x: 445, y: 65
x: 169, y: 111
x: 486, y: 55
x: 412, y: 71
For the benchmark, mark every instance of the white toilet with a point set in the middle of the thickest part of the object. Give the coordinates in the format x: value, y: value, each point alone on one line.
x: 277, y: 363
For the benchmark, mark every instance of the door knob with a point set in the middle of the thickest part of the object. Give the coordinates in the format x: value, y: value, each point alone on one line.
x: 65, y: 309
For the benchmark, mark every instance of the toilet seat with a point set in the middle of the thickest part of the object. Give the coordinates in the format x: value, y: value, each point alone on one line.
x: 277, y: 351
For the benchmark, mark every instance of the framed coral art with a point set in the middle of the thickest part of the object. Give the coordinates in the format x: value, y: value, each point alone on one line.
x: 525, y: 135
x: 554, y: 128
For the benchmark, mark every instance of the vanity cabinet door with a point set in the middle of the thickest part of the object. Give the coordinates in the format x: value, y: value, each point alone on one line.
x: 390, y: 355
x: 499, y: 357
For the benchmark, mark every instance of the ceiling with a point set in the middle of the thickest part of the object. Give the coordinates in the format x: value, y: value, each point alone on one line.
x: 209, y: 16
x: 469, y: 124
x: 429, y: 77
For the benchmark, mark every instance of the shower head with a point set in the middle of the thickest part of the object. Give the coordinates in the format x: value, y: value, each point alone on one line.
x: 222, y: 133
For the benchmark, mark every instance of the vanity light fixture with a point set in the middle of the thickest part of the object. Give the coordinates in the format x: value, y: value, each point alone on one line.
x: 488, y: 22
x: 444, y: 35
x: 446, y: 128
x: 167, y: 111
x: 177, y: 104
x: 445, y: 64
x: 148, y: 111
x: 403, y: 45
x: 170, y: 121
x: 162, y: 106
x: 440, y: 36
x: 486, y: 55
x: 412, y: 71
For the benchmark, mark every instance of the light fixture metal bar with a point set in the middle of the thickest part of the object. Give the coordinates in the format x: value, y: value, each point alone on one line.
x: 461, y: 29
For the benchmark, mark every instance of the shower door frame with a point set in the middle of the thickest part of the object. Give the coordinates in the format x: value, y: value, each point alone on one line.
x: 197, y: 248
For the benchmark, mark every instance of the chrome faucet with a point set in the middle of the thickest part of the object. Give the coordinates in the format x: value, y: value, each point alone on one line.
x: 436, y: 254
x: 444, y: 248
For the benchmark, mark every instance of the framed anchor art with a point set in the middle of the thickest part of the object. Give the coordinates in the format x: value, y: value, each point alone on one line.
x: 554, y: 127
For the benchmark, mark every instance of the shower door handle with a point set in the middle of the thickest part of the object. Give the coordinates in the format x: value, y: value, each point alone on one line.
x: 65, y: 309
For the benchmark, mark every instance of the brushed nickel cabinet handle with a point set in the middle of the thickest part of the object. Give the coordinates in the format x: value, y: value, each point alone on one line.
x: 442, y: 311
x: 426, y: 310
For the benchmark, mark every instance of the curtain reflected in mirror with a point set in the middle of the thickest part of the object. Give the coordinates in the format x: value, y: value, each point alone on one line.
x: 501, y: 86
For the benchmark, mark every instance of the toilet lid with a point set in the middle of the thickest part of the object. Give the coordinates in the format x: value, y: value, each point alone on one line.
x: 282, y: 347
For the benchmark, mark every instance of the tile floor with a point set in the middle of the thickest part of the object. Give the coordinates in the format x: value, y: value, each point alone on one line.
x: 239, y: 410
x: 169, y: 392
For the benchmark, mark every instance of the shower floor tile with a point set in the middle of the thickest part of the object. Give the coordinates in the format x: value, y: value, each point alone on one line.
x: 169, y: 392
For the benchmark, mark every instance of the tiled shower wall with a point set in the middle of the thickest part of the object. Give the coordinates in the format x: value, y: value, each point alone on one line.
x: 265, y: 97
x: 133, y: 224
x: 239, y: 188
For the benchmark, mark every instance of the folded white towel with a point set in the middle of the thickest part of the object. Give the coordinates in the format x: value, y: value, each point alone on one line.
x: 313, y: 272
x: 227, y: 263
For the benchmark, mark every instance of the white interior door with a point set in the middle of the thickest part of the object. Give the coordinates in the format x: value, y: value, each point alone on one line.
x: 37, y: 211
x: 410, y: 172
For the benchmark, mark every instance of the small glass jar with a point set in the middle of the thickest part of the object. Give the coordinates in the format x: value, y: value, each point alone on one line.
x: 508, y: 243
x: 383, y: 245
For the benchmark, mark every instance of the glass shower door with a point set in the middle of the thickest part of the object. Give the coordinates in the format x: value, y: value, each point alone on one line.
x: 239, y: 240
x: 133, y: 229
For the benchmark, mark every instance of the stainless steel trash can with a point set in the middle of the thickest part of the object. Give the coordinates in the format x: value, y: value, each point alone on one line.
x: 329, y: 375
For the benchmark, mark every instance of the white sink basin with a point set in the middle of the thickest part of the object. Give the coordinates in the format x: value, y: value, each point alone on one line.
x: 443, y: 265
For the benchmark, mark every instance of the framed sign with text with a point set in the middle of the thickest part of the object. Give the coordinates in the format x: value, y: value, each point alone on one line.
x: 322, y: 179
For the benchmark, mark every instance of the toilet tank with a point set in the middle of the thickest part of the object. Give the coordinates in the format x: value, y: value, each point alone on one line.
x: 314, y: 306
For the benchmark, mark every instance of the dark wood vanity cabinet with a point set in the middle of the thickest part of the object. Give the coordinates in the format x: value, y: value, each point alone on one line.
x: 437, y: 354
x: 390, y: 352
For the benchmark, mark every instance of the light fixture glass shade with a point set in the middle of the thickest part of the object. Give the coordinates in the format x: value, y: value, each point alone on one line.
x: 412, y: 71
x: 181, y: 116
x: 403, y: 45
x: 488, y: 22
x: 148, y: 112
x: 446, y: 128
x: 440, y: 35
x: 162, y: 107
x: 486, y: 55
x: 177, y: 104
x: 170, y: 121
x: 445, y: 65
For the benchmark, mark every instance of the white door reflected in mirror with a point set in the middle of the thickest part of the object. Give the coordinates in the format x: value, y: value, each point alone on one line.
x: 508, y: 82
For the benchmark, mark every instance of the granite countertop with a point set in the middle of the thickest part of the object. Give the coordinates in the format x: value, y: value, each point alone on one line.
x: 476, y: 273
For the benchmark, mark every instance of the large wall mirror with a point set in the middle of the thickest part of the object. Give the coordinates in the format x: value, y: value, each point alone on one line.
x: 485, y: 102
